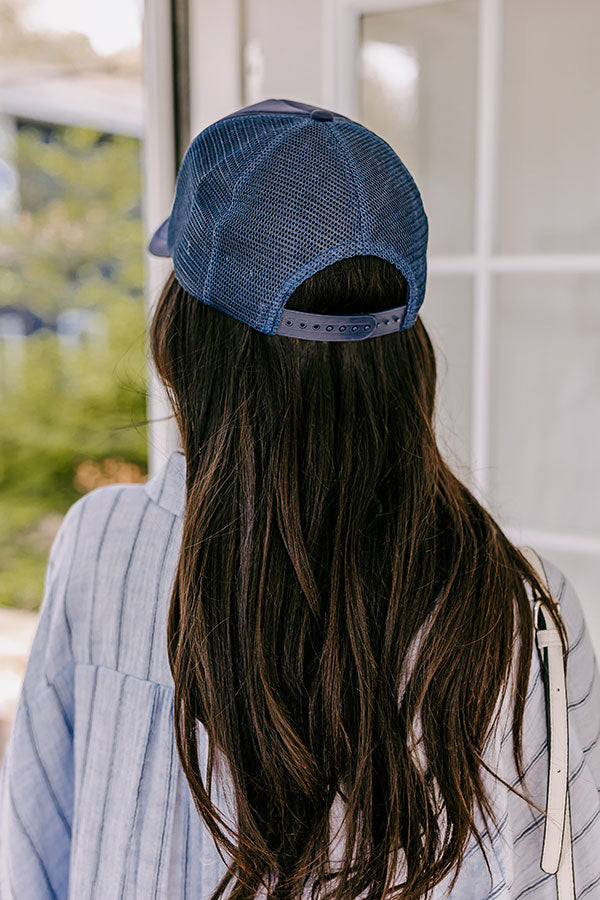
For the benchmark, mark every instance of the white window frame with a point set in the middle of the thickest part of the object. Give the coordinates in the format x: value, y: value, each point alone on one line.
x: 215, y: 88
x: 158, y: 184
x: 341, y: 20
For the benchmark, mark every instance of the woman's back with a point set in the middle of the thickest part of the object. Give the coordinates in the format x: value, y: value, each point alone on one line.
x: 93, y: 793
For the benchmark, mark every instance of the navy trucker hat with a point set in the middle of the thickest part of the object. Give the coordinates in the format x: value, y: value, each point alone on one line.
x: 274, y: 192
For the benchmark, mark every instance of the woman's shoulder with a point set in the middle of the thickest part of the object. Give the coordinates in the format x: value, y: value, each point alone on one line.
x: 115, y: 532
x: 111, y: 567
x: 115, y: 509
x: 572, y: 611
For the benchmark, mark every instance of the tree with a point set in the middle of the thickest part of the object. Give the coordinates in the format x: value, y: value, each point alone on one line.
x: 77, y: 243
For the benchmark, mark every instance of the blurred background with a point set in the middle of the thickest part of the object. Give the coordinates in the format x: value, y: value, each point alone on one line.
x: 492, y: 105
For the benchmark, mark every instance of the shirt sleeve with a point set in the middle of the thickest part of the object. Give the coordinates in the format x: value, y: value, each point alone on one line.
x: 36, y: 777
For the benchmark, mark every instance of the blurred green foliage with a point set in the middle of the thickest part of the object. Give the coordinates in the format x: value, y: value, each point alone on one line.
x: 77, y: 243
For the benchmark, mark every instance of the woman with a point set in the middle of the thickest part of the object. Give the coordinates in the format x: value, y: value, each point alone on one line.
x: 299, y: 660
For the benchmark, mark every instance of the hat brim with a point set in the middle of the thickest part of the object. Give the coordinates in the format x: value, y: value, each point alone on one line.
x: 158, y: 246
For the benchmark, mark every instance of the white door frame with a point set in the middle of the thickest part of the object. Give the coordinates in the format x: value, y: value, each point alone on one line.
x: 158, y: 150
x: 341, y: 37
x: 215, y: 88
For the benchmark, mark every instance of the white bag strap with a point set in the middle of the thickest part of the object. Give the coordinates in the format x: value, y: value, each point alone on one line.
x: 557, y: 852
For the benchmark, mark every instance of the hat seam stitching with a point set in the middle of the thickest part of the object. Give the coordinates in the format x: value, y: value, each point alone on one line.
x: 354, y: 172
x: 273, y: 143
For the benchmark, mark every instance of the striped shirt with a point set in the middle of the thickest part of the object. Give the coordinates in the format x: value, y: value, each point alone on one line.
x: 93, y: 799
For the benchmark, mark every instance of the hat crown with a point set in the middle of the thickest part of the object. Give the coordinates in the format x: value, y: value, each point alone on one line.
x: 270, y: 194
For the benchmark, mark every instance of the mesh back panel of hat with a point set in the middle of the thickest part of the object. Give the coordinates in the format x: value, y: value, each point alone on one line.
x: 306, y: 199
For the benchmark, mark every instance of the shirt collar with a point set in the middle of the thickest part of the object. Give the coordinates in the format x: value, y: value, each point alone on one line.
x: 167, y: 486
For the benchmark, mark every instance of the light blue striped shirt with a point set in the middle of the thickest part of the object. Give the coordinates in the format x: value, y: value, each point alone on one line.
x: 93, y: 800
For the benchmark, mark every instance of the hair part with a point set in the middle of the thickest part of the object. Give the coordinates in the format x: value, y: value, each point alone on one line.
x: 323, y: 533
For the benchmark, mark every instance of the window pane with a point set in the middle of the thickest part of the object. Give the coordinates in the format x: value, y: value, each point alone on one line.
x: 72, y: 315
x: 545, y: 429
x: 417, y: 89
x: 447, y: 316
x: 549, y: 196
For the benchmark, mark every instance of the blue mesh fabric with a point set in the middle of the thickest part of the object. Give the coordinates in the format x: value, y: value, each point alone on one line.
x: 264, y: 201
x: 394, y: 223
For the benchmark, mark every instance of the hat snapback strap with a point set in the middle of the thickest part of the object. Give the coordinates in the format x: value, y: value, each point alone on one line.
x: 557, y: 849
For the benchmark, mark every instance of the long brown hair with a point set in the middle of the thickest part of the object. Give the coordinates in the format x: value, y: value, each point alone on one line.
x: 322, y: 531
